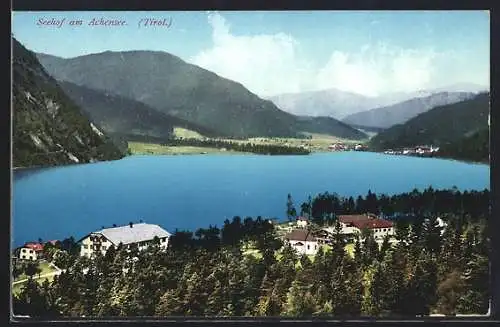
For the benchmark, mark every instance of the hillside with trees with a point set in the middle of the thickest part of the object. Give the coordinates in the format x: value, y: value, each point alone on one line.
x: 472, y: 148
x: 48, y: 127
x: 118, y: 115
x: 441, y: 126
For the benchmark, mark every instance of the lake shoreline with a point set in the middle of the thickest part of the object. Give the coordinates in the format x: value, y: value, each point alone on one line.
x: 238, y: 153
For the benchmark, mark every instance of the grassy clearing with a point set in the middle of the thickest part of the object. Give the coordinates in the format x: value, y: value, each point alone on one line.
x: 45, y: 269
x: 317, y: 143
x: 187, y: 133
x: 151, y: 148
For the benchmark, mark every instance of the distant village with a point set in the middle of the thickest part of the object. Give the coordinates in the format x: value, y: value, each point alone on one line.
x: 421, y: 150
x: 347, y: 147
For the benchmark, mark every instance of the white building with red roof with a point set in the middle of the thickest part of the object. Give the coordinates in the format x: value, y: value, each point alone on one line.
x: 30, y: 251
x: 352, y: 224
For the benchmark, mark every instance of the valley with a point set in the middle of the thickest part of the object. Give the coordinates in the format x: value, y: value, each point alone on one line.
x: 313, y: 143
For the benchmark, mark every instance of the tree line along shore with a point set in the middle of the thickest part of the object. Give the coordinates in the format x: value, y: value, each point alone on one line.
x: 430, y: 270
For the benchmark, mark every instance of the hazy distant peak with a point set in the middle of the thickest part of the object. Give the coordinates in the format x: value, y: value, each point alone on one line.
x: 461, y: 87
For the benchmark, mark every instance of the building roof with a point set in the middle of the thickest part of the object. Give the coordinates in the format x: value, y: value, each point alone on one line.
x: 372, y: 223
x: 300, y: 235
x: 137, y: 233
x: 365, y: 221
x: 34, y: 246
x: 349, y: 219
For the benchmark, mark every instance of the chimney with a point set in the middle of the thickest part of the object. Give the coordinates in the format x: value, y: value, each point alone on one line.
x: 131, y: 224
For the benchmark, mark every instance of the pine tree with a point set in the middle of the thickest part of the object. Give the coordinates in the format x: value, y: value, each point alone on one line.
x: 378, y: 289
x: 300, y: 302
x: 449, y: 291
x: 358, y: 252
x: 432, y: 235
x: 355, y: 289
x: 476, y: 280
x: 170, y: 304
x: 290, y: 209
x: 421, y: 293
x: 384, y: 248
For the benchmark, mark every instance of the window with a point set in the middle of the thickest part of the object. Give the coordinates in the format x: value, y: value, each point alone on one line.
x: 308, y: 246
x: 96, y: 247
x: 24, y: 257
x: 85, y: 246
x: 23, y: 250
x: 31, y: 251
x: 103, y: 248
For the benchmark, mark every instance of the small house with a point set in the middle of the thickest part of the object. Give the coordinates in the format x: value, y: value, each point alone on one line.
x: 31, y: 251
x: 303, y: 241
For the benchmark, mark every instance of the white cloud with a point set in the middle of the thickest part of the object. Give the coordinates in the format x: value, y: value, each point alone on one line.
x: 262, y: 63
x: 376, y: 70
x: 270, y: 64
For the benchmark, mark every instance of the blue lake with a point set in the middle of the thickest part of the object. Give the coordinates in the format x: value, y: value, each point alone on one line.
x: 192, y: 191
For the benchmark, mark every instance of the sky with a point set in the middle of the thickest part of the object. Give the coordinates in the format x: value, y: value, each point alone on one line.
x: 367, y: 52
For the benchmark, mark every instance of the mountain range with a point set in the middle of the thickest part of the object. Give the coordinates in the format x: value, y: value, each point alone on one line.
x: 441, y: 126
x: 344, y: 105
x: 48, y: 127
x: 175, y: 88
x: 385, y: 117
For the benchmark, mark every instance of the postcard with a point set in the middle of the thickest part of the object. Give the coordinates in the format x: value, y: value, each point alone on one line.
x: 287, y: 164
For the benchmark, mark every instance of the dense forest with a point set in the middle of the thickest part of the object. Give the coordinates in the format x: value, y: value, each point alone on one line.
x: 475, y: 147
x: 207, y: 273
x: 270, y: 149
